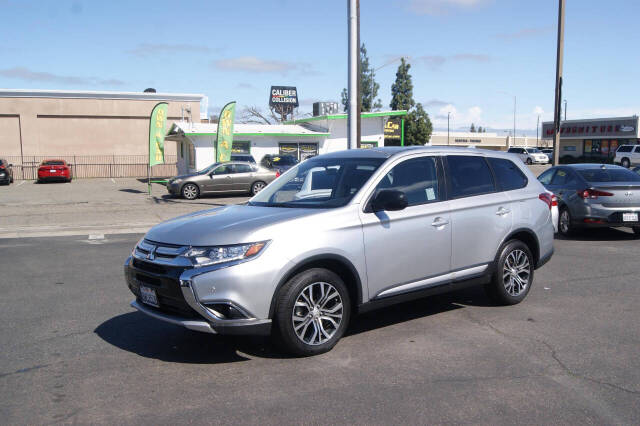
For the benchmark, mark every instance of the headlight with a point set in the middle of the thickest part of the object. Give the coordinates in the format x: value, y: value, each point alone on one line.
x: 203, y: 256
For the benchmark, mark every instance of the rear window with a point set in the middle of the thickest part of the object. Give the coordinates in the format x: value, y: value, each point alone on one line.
x: 508, y: 175
x: 609, y: 175
x: 53, y: 163
x: 469, y: 175
x: 625, y: 148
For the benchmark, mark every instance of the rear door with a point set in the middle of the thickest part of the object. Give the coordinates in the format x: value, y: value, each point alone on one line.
x: 481, y: 214
x: 242, y: 177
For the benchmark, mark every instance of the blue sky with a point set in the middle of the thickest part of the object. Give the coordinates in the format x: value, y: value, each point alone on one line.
x: 469, y: 57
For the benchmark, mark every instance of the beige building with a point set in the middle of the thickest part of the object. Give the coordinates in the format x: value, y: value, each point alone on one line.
x: 480, y: 140
x: 85, y: 127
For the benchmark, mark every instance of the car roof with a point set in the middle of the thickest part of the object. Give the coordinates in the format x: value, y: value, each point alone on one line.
x: 391, y: 151
x: 587, y: 166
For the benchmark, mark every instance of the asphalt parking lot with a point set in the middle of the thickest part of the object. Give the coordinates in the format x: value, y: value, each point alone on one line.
x: 73, y: 351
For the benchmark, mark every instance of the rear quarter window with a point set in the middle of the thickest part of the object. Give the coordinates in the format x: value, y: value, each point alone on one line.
x: 508, y: 175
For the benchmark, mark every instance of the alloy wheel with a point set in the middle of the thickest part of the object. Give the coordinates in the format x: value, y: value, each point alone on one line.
x: 317, y: 313
x: 516, y: 272
x: 190, y: 191
x: 257, y: 187
x: 565, y: 221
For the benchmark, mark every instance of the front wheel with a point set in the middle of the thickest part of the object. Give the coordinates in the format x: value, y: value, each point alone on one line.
x: 529, y: 162
x: 512, y: 279
x: 312, y: 312
x: 257, y: 187
x: 625, y: 163
x: 190, y: 191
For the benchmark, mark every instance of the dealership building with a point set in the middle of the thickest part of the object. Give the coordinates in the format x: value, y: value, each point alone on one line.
x: 593, y: 138
x: 302, y: 138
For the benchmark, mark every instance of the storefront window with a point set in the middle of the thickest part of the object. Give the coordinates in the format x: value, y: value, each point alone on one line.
x: 241, y: 147
x: 300, y: 151
x: 368, y: 144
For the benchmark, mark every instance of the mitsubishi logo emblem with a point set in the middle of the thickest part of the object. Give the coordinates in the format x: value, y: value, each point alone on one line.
x: 628, y: 193
x: 152, y: 253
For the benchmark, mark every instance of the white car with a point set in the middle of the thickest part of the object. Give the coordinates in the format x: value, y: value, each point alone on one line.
x: 627, y: 155
x: 529, y: 155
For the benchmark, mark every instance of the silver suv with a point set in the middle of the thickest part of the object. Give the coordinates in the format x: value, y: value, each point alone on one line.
x: 343, y: 233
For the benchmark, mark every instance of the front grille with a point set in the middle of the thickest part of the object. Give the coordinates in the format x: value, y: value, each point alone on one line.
x: 166, y: 284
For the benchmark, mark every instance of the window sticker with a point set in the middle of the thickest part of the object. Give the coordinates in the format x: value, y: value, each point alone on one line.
x: 431, y: 194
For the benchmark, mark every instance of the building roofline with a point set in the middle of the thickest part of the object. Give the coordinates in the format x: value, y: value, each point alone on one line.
x: 344, y: 116
x: 88, y: 94
x: 582, y: 120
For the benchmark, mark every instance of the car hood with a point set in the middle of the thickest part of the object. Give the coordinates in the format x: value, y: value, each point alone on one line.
x: 190, y: 175
x: 225, y: 225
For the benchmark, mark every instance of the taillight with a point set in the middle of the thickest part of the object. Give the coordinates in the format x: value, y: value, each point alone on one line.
x: 593, y: 194
x: 277, y: 173
x: 547, y: 199
x: 554, y: 201
x: 2, y: 166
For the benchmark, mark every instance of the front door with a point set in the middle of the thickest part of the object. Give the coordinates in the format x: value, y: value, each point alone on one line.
x: 220, y: 179
x: 409, y: 249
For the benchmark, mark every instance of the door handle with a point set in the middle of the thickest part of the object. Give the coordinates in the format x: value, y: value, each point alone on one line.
x: 503, y: 212
x: 438, y: 222
x: 228, y: 177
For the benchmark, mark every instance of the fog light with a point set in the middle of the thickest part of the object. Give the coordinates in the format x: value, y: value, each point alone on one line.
x: 225, y: 311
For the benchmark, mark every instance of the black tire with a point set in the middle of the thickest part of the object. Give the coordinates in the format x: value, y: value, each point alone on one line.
x: 565, y: 228
x: 636, y: 230
x: 529, y: 162
x: 510, y: 292
x: 257, y: 187
x: 190, y: 191
x: 284, y: 332
x: 625, y: 162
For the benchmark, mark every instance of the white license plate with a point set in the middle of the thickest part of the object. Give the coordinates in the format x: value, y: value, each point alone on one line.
x: 148, y: 296
x: 52, y: 170
x: 629, y: 217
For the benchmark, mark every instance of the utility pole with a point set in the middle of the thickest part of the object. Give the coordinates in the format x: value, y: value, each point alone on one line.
x: 537, y: 127
x: 558, y: 94
x: 353, y: 94
x: 565, y: 110
x: 514, y: 117
x: 448, y: 115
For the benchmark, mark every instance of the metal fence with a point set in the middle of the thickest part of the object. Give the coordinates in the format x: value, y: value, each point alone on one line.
x: 95, y: 166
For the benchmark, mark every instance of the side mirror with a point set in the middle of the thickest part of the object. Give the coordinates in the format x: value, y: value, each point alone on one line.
x: 389, y: 200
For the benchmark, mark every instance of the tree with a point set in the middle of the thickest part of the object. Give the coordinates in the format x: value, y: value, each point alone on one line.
x: 473, y: 128
x: 368, y: 86
x: 417, y: 125
x: 254, y: 115
x: 402, y: 88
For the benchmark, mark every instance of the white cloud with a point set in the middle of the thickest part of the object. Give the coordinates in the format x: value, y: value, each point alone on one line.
x: 458, y: 119
x: 149, y: 49
x: 256, y: 65
x: 26, y: 74
x: 436, y: 61
x: 440, y: 7
x: 538, y: 110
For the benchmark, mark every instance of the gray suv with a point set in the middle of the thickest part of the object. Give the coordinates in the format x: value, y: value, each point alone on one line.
x: 344, y: 233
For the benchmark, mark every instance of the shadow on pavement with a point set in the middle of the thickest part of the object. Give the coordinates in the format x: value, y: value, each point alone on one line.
x: 169, y: 199
x: 600, y: 234
x: 132, y: 191
x: 151, y: 338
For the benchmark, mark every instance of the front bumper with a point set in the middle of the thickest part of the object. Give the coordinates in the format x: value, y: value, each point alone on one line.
x: 179, y: 303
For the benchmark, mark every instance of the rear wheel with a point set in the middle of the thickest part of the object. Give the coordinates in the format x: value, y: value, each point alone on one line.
x: 636, y: 230
x: 312, y: 312
x: 257, y: 187
x: 190, y: 191
x: 625, y: 162
x: 513, y: 276
x: 564, y: 222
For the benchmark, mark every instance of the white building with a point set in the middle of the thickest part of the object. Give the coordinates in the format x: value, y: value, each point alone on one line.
x: 301, y: 138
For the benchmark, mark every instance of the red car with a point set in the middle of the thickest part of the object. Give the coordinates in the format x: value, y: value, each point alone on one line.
x: 54, y: 170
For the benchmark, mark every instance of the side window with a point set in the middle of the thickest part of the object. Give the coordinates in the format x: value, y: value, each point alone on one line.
x: 417, y: 178
x: 508, y: 175
x: 223, y: 170
x: 560, y: 178
x: 242, y: 168
x: 469, y: 175
x: 545, y: 178
x: 637, y: 149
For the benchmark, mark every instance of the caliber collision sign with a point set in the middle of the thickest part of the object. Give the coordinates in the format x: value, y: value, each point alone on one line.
x: 283, y: 95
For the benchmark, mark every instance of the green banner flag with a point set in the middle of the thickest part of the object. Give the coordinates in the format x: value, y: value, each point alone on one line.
x: 224, y: 141
x: 156, y: 133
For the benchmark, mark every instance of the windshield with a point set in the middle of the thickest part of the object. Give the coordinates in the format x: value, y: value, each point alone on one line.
x: 609, y: 175
x: 318, y: 183
x: 533, y: 150
x: 209, y: 169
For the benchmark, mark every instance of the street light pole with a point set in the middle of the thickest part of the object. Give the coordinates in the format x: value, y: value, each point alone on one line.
x: 353, y: 95
x: 514, y: 117
x: 537, y: 127
x: 558, y: 94
x: 565, y: 110
x: 448, y: 115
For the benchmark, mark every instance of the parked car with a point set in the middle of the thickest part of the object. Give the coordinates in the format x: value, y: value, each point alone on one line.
x: 549, y: 153
x: 386, y: 225
x: 636, y: 169
x: 529, y: 155
x: 627, y: 155
x: 54, y: 170
x: 229, y: 177
x: 6, y: 172
x: 281, y: 163
x: 243, y: 157
x: 594, y: 195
